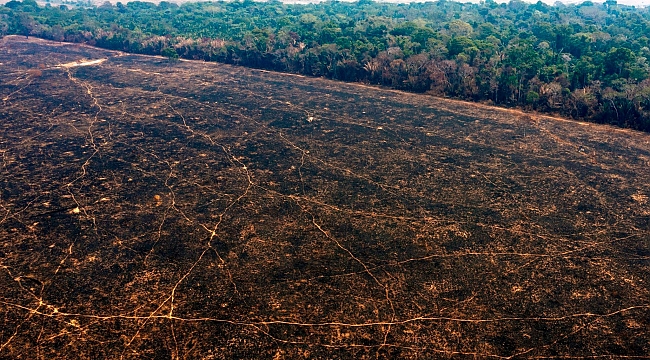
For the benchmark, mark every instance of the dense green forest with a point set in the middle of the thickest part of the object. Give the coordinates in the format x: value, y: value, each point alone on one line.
x: 586, y: 61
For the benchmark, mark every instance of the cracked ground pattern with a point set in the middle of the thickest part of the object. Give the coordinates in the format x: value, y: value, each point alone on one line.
x: 153, y: 209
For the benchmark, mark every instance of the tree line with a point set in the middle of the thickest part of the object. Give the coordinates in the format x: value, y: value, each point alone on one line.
x: 587, y: 61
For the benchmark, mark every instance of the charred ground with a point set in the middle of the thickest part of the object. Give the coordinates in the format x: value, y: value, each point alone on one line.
x: 151, y: 209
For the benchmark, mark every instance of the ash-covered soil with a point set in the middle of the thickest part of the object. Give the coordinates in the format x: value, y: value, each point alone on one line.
x: 152, y: 209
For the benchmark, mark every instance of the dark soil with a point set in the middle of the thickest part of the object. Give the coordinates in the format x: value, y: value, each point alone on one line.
x: 153, y: 209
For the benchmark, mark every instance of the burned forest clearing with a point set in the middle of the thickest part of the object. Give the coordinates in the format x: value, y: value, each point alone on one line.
x: 179, y: 209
